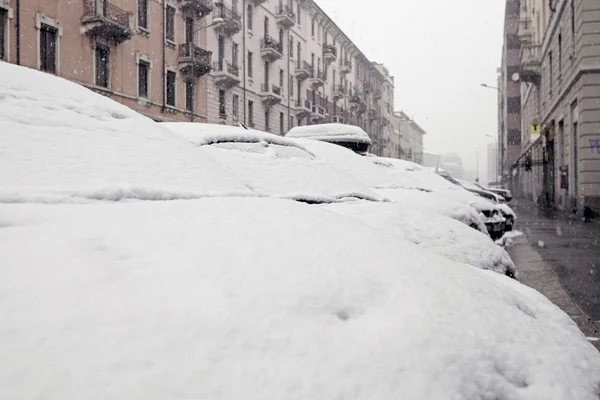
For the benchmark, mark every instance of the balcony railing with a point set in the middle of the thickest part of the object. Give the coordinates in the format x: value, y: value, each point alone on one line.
x: 200, y: 7
x: 106, y: 20
x: 530, y: 63
x: 226, y: 66
x: 226, y: 20
x: 224, y: 12
x: 286, y: 16
x: 191, y: 51
x: 91, y: 8
x: 269, y: 43
x: 330, y: 49
x: 346, y: 66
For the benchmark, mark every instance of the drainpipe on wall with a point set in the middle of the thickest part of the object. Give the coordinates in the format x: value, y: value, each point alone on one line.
x: 18, y: 31
x: 244, y: 51
x: 290, y: 83
x: 164, y: 55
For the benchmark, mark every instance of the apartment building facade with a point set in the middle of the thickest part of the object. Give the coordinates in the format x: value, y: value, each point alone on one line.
x: 283, y: 63
x: 509, y: 105
x: 560, y: 75
x: 145, y: 54
x: 410, y: 138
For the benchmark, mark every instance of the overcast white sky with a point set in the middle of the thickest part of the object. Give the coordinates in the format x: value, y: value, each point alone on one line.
x: 439, y: 52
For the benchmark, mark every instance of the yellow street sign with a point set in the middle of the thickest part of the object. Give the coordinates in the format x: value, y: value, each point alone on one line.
x: 535, y: 129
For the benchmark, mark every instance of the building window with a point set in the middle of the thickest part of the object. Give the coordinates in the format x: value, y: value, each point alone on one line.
x: 250, y: 62
x: 291, y: 121
x: 170, y: 31
x: 291, y: 86
x: 102, y: 62
x: 559, y: 54
x: 267, y: 118
x: 234, y: 53
x: 250, y: 17
x: 143, y: 14
x: 48, y: 36
x: 189, y: 96
x: 312, y: 27
x: 235, y: 105
x: 281, y: 121
x: 573, y: 23
x: 3, y: 44
x: 143, y: 74
x: 291, y: 44
x: 281, y: 74
x: 222, y: 109
x: 171, y: 82
x: 299, y: 13
x: 550, y: 62
x: 251, y: 113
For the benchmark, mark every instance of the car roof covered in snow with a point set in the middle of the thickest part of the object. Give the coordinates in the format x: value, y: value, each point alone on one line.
x: 272, y: 165
x: 330, y: 133
x: 62, y: 142
x: 262, y: 298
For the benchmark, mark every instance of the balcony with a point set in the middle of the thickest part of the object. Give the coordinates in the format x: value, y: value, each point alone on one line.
x: 225, y: 20
x: 257, y: 3
x: 302, y: 108
x: 106, y: 21
x: 270, y: 49
x: 346, y: 67
x: 372, y: 115
x: 303, y: 70
x: 329, y: 53
x: 317, y: 113
x: 339, y: 119
x: 270, y: 94
x: 286, y: 18
x: 226, y: 75
x: 194, y: 60
x: 383, y: 121
x: 357, y: 104
x: 317, y: 79
x: 525, y: 30
x: 200, y: 8
x: 531, y: 66
x: 337, y: 92
x: 377, y: 94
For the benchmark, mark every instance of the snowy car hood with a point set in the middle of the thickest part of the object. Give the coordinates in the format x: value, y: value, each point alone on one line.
x: 440, y: 233
x: 62, y: 142
x: 274, y: 166
x: 263, y: 299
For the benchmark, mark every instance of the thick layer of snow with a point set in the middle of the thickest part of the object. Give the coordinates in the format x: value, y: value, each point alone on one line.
x: 203, y: 134
x: 62, y: 142
x: 263, y: 299
x: 330, y: 133
x: 439, y: 233
x: 507, y: 210
x: 414, y: 189
x: 272, y: 165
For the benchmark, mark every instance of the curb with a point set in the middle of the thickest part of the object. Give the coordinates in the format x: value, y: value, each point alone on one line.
x: 536, y: 273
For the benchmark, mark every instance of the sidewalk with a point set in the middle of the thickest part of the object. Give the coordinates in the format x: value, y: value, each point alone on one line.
x: 558, y: 256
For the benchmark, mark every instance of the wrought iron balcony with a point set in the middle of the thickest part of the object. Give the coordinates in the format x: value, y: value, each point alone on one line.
x: 226, y: 74
x: 303, y: 70
x: 271, y: 49
x: 257, y: 3
x: 329, y: 53
x: 302, y: 108
x: 357, y: 102
x: 285, y: 16
x: 106, y: 21
x: 194, y: 60
x: 339, y: 119
x: 372, y: 115
x: 226, y: 20
x: 377, y: 94
x: 525, y: 30
x: 318, y: 112
x: 531, y: 65
x: 337, y: 92
x: 317, y: 79
x: 270, y: 94
x: 200, y: 8
x: 346, y: 67
x: 383, y: 121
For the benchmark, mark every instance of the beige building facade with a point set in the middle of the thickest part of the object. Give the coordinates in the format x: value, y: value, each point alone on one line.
x: 116, y: 48
x: 271, y: 64
x: 560, y: 74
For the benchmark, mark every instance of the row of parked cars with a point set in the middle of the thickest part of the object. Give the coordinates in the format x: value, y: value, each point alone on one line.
x: 145, y: 260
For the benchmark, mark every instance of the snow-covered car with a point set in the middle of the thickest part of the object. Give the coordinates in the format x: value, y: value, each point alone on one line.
x: 508, y: 214
x: 213, y: 292
x: 413, y: 191
x: 279, y: 167
x: 272, y: 165
x: 505, y: 193
x: 349, y: 136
